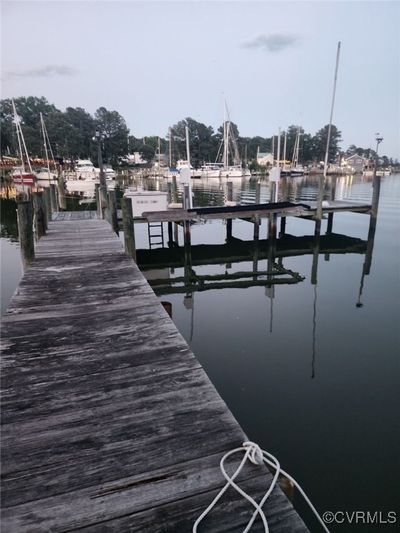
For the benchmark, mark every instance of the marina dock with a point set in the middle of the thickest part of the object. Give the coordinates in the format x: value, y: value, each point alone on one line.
x: 109, y: 422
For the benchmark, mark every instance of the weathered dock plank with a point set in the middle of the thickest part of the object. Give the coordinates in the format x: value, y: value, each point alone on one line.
x: 109, y: 422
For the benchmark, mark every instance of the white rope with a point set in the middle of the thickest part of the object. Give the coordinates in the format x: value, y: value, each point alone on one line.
x: 257, y: 456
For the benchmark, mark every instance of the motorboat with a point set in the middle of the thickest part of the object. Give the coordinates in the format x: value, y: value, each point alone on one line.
x: 85, y: 170
x: 44, y: 174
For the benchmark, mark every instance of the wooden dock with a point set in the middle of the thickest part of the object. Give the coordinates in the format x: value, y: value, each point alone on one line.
x: 280, y: 209
x: 109, y: 422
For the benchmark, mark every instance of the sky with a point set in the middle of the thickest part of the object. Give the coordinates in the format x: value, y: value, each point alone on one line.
x: 159, y: 62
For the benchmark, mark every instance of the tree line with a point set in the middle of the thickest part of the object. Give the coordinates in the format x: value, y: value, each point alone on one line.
x: 72, y: 135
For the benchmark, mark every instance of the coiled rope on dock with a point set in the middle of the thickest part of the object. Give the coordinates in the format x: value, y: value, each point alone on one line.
x: 257, y: 456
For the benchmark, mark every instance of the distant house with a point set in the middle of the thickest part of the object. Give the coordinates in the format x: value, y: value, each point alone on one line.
x: 356, y: 163
x: 264, y: 158
x: 134, y: 159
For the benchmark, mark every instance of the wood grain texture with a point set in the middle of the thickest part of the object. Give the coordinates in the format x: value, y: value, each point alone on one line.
x: 109, y: 422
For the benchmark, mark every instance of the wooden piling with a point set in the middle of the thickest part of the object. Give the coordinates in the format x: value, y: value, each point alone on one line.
x: 62, y: 202
x: 112, y: 211
x: 229, y: 197
x: 97, y: 198
x: 25, y: 230
x: 176, y: 233
x: 283, y: 227
x: 314, y: 267
x: 186, y: 233
x: 376, y: 189
x: 47, y: 205
x: 256, y: 218
x: 103, y: 201
x: 129, y: 230
x: 53, y: 198
x: 169, y: 189
x: 174, y: 190
x: 170, y: 234
x: 39, y: 214
x: 229, y: 191
x: 186, y: 197
x: 229, y: 229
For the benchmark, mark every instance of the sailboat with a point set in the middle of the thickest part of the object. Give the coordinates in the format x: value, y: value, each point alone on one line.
x: 296, y: 169
x: 230, y: 152
x: 44, y: 175
x: 20, y: 175
x: 229, y: 142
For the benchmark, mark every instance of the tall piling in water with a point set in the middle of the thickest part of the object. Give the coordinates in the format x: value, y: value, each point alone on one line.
x: 129, y: 229
x: 112, y: 210
x: 53, y: 198
x: 25, y: 230
x: 47, y: 205
x: 39, y: 214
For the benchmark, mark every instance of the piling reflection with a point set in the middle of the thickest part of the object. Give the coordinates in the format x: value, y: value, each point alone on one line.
x: 200, y: 264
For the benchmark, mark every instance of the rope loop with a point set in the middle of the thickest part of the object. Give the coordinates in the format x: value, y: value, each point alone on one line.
x: 253, y: 453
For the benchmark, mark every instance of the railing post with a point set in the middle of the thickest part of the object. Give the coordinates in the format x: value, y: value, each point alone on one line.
x: 39, y: 213
x: 113, y: 215
x: 129, y: 230
x: 25, y: 230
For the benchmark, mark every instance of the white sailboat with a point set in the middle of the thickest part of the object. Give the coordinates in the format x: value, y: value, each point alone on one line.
x: 44, y: 174
x: 296, y: 169
x: 230, y: 147
x: 20, y: 175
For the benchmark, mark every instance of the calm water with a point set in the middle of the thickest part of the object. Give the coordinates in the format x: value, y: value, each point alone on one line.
x: 310, y: 370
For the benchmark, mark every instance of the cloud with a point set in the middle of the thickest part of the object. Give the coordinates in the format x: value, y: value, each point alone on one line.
x: 43, y: 72
x: 273, y: 42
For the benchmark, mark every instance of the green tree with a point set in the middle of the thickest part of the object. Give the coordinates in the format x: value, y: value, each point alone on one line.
x: 29, y: 109
x: 319, y: 143
x: 113, y: 128
x: 81, y: 126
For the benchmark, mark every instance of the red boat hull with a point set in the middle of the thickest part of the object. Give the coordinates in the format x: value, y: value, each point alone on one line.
x: 25, y: 178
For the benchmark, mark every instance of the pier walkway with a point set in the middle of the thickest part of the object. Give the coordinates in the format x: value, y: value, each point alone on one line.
x: 109, y: 422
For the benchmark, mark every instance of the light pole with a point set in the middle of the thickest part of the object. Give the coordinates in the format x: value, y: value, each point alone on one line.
x: 99, y: 137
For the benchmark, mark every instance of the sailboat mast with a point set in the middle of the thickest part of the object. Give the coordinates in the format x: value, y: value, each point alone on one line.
x: 189, y: 167
x: 294, y: 152
x: 323, y: 178
x: 331, y: 115
x: 273, y: 149
x: 170, y: 147
x: 278, y: 153
x: 226, y: 137
x: 16, y: 122
x: 49, y: 145
x: 21, y: 139
x: 284, y: 150
x: 45, y: 145
x: 298, y: 145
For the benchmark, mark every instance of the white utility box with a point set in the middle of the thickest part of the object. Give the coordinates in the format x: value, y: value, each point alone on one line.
x: 144, y: 201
